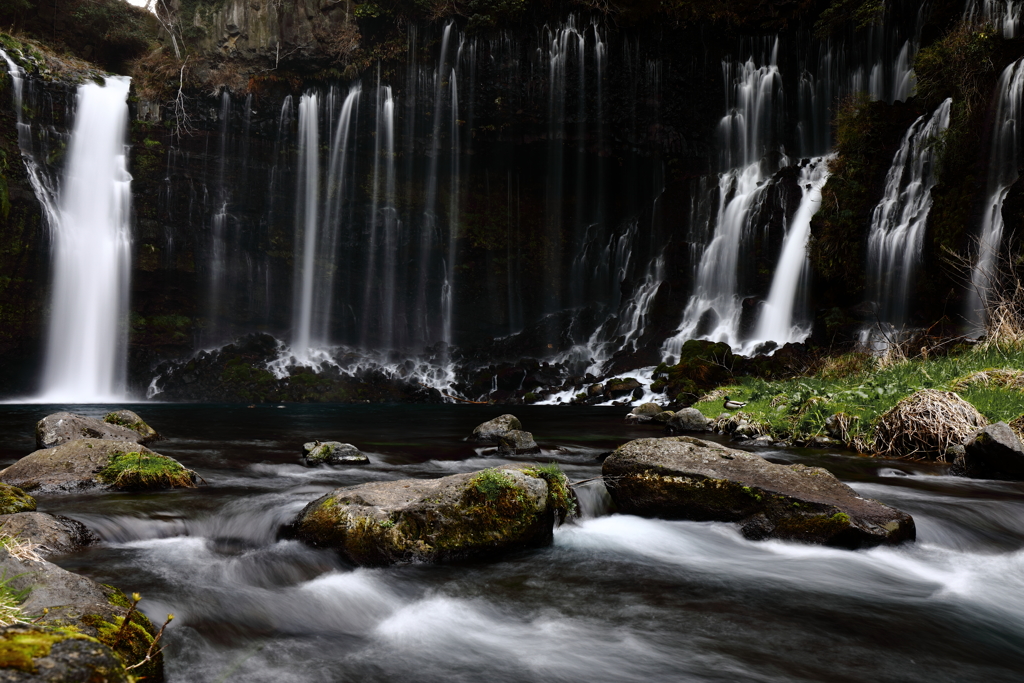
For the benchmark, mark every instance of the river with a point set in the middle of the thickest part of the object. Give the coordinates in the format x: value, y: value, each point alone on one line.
x: 614, y: 598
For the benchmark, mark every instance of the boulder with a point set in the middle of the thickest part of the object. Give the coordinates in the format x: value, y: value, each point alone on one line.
x: 650, y: 409
x: 492, y: 430
x: 13, y: 500
x: 49, y: 534
x: 595, y: 390
x: 686, y: 478
x: 96, y: 464
x: 33, y: 654
x: 332, y: 453
x: 93, y: 609
x: 617, y: 388
x: 130, y: 420
x: 53, y: 430
x: 517, y: 442
x: 688, y: 420
x: 664, y: 417
x: 474, y: 514
x: 993, y: 452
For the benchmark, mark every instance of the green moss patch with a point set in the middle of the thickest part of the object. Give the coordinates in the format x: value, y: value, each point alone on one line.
x: 137, y: 470
x: 13, y: 499
x: 19, y: 649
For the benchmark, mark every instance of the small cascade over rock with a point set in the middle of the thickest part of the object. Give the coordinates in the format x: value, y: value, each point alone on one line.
x: 1004, y: 162
x: 1004, y: 15
x: 896, y: 236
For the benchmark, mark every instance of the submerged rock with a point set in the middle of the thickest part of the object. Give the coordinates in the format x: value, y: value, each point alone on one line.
x: 332, y: 453
x: 476, y: 514
x: 50, y: 534
x: 517, y: 442
x: 97, y: 464
x: 130, y: 420
x: 53, y: 430
x: 618, y: 388
x: 61, y: 599
x: 14, y: 500
x: 688, y: 420
x: 686, y: 478
x: 492, y: 430
x: 30, y: 653
x: 993, y: 452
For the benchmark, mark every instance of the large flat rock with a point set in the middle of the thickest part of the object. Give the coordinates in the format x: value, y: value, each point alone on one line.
x: 122, y: 425
x: 91, y: 464
x: 478, y: 514
x: 687, y: 478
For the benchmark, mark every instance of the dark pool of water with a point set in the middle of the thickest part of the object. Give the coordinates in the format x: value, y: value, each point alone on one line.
x: 614, y: 598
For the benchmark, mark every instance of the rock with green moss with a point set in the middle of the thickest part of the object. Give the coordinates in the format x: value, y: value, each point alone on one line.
x: 86, y: 464
x: 54, y: 430
x: 33, y: 654
x: 13, y: 500
x: 686, y: 478
x: 131, y: 420
x: 65, y: 601
x: 492, y: 430
x: 49, y: 534
x: 477, y: 514
x: 332, y: 453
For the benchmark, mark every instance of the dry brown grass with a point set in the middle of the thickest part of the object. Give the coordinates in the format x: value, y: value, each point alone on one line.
x: 21, y: 548
x: 925, y: 425
x: 1006, y: 378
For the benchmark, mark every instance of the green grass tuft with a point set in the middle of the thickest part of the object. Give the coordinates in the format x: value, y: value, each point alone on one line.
x: 138, y: 470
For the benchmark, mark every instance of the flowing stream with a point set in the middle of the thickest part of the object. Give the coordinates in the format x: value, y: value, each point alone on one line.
x: 614, y: 598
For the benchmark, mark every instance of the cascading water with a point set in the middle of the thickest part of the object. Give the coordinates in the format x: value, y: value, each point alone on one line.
x: 1004, y: 15
x: 307, y: 221
x: 783, y: 315
x: 1004, y: 161
x: 86, y: 352
x: 747, y: 135
x: 896, y: 236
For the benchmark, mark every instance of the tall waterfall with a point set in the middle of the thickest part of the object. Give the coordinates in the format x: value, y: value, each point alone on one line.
x: 896, y: 236
x: 783, y: 315
x: 86, y: 353
x: 1004, y: 161
x: 747, y: 133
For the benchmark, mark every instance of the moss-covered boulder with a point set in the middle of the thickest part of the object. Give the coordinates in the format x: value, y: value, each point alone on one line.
x: 32, y: 653
x: 477, y: 514
x: 67, y: 602
x: 492, y: 430
x: 54, y: 430
x: 13, y: 500
x: 97, y: 464
x: 686, y: 478
x: 49, y: 534
x: 131, y: 420
x: 332, y: 453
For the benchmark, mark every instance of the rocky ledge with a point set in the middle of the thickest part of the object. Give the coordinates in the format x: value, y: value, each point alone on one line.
x: 686, y: 478
x: 477, y: 514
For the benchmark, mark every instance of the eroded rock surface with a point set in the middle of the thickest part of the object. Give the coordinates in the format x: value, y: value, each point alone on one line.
x: 492, y: 430
x: 54, y: 430
x: 686, y: 478
x: 332, y: 453
x: 96, y: 464
x: 477, y: 514
x: 993, y: 452
x: 517, y: 442
x: 51, y: 534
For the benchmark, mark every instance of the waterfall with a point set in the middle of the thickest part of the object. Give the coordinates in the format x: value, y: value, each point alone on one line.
x: 317, y: 221
x: 1003, y: 14
x: 447, y: 293
x: 896, y: 235
x: 747, y: 133
x: 86, y: 353
x: 780, y: 319
x: 1004, y: 161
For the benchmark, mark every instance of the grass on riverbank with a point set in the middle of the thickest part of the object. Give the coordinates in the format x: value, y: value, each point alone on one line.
x: 861, y: 388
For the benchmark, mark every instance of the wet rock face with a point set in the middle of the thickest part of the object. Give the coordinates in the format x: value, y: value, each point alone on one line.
x: 131, y: 420
x: 50, y: 534
x: 492, y: 430
x: 332, y: 453
x: 687, y: 478
x: 86, y: 464
x: 32, y: 654
x: 993, y: 452
x: 517, y: 442
x: 688, y: 420
x: 54, y: 430
x: 477, y: 514
x: 14, y: 500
